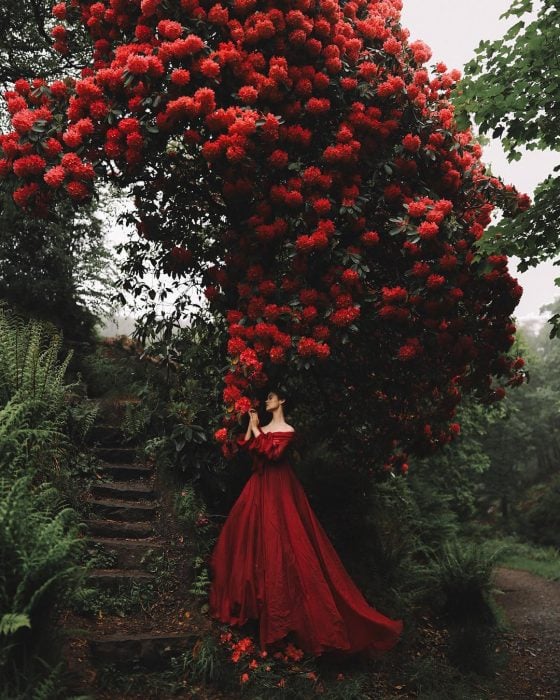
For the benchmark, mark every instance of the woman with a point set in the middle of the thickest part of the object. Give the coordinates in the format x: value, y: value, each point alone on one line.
x: 274, y: 562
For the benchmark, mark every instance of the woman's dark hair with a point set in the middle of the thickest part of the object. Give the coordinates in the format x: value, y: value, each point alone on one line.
x: 280, y: 392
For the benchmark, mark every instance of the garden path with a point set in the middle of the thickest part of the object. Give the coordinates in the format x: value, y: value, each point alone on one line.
x: 532, y: 607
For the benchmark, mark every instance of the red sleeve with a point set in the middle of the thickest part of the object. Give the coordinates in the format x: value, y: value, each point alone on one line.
x: 240, y: 440
x: 269, y: 446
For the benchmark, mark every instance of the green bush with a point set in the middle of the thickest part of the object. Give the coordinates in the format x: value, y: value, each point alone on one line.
x: 29, y: 362
x: 40, y: 543
x: 541, y: 523
x: 40, y: 549
x: 460, y: 579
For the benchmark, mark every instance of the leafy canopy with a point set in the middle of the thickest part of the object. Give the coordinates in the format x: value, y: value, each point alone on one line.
x: 512, y: 91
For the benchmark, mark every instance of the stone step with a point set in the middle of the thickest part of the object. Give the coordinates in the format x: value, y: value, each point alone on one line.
x: 116, y: 455
x: 149, y: 650
x: 126, y: 472
x: 127, y: 511
x: 129, y: 554
x: 124, y: 489
x: 119, y: 529
x: 106, y: 435
x: 116, y: 577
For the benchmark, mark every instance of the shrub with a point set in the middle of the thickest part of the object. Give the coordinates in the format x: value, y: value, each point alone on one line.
x: 461, y: 578
x: 40, y: 544
x: 541, y: 523
x: 40, y: 550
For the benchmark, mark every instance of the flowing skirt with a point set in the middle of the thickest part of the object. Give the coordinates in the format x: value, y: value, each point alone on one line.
x: 274, y: 562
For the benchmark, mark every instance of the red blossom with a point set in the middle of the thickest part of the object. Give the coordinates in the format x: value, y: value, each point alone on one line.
x: 428, y: 230
x: 304, y: 117
x: 55, y: 176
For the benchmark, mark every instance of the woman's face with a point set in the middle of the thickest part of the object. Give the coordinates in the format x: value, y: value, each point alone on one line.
x: 273, y: 401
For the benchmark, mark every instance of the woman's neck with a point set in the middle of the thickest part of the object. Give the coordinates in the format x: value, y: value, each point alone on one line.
x: 278, y: 417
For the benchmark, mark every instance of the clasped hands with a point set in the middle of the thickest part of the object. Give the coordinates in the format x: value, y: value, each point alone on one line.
x: 254, y: 422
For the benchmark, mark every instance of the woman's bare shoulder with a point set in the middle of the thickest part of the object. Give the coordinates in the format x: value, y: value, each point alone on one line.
x: 271, y: 429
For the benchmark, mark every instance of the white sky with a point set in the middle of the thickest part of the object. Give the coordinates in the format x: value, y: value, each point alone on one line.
x: 453, y: 30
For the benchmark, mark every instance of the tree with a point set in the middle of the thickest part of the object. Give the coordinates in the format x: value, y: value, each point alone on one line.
x: 303, y: 166
x: 26, y: 43
x: 511, y: 90
x: 522, y: 442
x: 57, y: 271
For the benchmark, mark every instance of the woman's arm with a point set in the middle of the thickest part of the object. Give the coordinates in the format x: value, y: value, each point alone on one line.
x: 270, y: 446
x: 252, y: 427
x: 249, y: 430
x: 254, y: 423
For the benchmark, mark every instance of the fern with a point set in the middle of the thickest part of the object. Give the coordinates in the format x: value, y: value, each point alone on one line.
x: 201, y: 584
x: 40, y: 549
x: 29, y: 361
x: 40, y: 542
x: 81, y: 419
x: 462, y: 574
x: 136, y: 420
x: 32, y: 397
x: 10, y: 623
x: 51, y: 687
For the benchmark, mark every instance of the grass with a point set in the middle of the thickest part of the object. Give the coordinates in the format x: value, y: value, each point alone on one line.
x: 541, y: 561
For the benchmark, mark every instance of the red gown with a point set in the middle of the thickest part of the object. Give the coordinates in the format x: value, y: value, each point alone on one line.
x: 274, y: 562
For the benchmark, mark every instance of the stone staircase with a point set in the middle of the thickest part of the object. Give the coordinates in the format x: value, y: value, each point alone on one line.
x: 124, y: 510
x: 123, y: 506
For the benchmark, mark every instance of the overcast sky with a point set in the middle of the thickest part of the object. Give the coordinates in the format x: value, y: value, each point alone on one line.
x: 453, y: 30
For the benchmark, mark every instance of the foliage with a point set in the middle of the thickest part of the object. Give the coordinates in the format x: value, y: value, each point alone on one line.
x: 201, y: 584
x: 137, y: 417
x: 203, y: 661
x: 461, y: 575
x: 541, y: 521
x: 28, y: 361
x: 80, y: 421
x: 184, y: 401
x: 515, y: 554
x: 188, y: 506
x: 32, y: 393
x: 26, y: 42
x: 285, y: 673
x: 58, y: 271
x: 12, y: 622
x: 123, y: 600
x: 40, y: 543
x: 307, y: 170
x: 511, y: 90
x: 521, y: 442
x: 40, y: 550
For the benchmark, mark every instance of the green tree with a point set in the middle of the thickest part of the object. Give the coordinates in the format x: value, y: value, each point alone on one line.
x: 523, y: 444
x: 59, y: 269
x: 512, y: 91
x: 26, y: 44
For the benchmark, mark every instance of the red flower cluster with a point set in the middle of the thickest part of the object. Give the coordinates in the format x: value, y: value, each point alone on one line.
x: 314, y: 128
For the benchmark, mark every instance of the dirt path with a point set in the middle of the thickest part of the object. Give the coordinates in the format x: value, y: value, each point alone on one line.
x: 532, y: 607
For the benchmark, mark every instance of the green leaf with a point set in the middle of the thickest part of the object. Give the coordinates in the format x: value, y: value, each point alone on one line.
x: 10, y: 623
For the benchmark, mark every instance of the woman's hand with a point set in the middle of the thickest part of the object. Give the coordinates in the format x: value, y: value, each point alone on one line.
x: 253, y: 418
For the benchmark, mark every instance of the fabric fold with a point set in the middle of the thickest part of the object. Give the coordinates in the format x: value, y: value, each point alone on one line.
x: 273, y: 562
